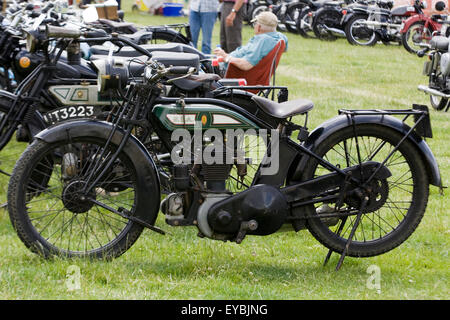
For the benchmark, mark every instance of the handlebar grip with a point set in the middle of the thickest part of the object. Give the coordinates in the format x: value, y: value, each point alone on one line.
x: 181, y: 70
x: 96, y: 33
x: 60, y: 32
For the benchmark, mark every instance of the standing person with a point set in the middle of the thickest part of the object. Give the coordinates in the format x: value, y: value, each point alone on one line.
x: 202, y: 15
x: 231, y: 16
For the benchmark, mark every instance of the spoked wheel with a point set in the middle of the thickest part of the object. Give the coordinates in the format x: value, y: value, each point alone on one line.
x: 396, y: 204
x: 415, y: 35
x: 250, y: 152
x: 358, y: 33
x: 52, y: 212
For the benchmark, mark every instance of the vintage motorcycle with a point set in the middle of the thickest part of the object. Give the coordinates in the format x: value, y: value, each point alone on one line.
x: 420, y: 27
x: 366, y: 25
x: 359, y: 182
x: 437, y: 69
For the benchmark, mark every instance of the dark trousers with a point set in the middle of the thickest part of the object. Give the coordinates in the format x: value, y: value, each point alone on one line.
x: 231, y: 37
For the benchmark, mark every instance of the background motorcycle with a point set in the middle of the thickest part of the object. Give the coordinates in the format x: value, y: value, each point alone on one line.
x: 437, y: 69
x: 366, y: 25
x: 420, y: 27
x: 328, y: 21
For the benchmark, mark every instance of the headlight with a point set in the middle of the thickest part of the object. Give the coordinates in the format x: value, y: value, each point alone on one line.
x: 111, y: 74
x: 424, y: 4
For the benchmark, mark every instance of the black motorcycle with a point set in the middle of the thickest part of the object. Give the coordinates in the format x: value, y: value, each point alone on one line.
x: 359, y: 182
x: 328, y: 20
x: 365, y: 25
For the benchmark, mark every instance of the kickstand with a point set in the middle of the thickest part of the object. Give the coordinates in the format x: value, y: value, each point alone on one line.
x: 352, y: 233
x: 341, y: 226
x: 5, y: 173
x: 3, y: 205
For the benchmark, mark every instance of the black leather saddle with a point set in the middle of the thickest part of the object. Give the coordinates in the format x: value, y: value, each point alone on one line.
x: 285, y: 109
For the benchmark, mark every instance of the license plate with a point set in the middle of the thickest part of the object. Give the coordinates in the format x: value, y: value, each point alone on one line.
x: 68, y: 113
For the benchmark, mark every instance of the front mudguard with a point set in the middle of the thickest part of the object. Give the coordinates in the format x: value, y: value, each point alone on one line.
x: 148, y: 184
x: 340, y: 122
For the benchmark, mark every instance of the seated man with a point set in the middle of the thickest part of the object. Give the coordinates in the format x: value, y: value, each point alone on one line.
x: 264, y: 40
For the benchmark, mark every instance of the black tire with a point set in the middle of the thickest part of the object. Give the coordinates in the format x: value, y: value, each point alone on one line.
x: 403, y: 198
x: 329, y: 18
x: 291, y: 16
x: 438, y: 103
x: 257, y: 10
x: 358, y: 34
x: 53, y: 219
x: 305, y: 28
x: 415, y: 35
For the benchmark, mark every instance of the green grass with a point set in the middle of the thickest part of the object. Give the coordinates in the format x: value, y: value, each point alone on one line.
x: 284, y: 265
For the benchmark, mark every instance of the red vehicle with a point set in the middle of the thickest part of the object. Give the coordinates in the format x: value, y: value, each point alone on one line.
x: 420, y: 27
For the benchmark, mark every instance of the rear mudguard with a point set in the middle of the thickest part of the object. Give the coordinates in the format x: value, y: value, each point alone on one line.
x: 340, y: 122
x: 148, y: 185
x: 35, y: 125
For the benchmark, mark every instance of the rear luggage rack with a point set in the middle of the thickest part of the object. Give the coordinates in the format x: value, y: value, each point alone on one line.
x: 420, y: 113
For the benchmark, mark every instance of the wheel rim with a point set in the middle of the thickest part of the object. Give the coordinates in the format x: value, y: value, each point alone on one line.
x: 361, y: 34
x: 63, y: 220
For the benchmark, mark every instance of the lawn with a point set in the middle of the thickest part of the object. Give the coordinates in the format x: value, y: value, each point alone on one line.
x: 285, y: 265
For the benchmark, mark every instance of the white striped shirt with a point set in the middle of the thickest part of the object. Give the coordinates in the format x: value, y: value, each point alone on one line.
x: 204, y: 5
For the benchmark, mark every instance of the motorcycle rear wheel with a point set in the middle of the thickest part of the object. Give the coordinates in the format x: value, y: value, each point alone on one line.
x: 404, y: 194
x: 359, y: 34
x: 326, y: 18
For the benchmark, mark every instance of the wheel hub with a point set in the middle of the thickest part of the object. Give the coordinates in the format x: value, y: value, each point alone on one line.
x: 75, y: 200
x: 377, y: 191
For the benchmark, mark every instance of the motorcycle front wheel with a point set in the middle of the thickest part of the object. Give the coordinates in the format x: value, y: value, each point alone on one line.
x: 415, y: 35
x: 398, y: 202
x: 438, y: 103
x: 54, y: 217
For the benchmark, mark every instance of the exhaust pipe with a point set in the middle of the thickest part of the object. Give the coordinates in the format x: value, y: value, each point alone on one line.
x: 382, y: 24
x: 334, y: 31
x: 433, y: 92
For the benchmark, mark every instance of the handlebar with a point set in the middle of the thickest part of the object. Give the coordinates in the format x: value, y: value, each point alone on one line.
x: 61, y: 32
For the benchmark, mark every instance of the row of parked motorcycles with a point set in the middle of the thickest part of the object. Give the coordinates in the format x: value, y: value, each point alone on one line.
x: 143, y: 128
x: 362, y: 22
